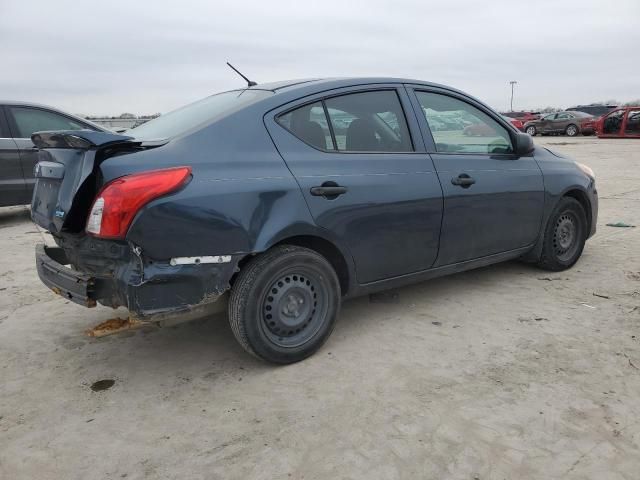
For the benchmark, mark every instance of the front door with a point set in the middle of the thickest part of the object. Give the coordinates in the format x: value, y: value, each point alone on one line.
x: 12, y: 187
x: 632, y: 124
x: 545, y: 124
x: 612, y: 124
x: 493, y: 199
x: 359, y: 159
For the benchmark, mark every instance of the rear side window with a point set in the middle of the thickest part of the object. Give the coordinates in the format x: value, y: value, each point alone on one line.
x: 309, y: 124
x: 30, y: 120
x: 458, y: 127
x: 358, y: 122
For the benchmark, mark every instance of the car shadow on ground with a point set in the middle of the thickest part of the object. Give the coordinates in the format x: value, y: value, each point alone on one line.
x: 10, y: 216
x: 207, y: 346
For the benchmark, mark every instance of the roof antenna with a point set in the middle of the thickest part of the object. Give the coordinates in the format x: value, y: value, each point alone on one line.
x: 249, y: 82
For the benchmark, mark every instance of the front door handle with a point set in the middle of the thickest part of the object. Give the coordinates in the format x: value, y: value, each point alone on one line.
x: 463, y: 180
x: 328, y: 190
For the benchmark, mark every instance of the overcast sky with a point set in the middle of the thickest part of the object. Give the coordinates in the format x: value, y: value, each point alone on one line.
x: 139, y: 56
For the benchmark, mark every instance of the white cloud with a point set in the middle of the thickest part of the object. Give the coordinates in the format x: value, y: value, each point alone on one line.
x: 148, y: 56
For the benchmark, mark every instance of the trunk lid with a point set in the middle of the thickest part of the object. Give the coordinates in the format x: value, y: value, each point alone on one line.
x: 65, y: 181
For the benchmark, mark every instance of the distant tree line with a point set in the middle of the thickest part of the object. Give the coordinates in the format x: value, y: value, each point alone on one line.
x: 123, y: 116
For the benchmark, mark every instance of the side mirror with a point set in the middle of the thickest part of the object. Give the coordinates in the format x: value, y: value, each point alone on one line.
x: 524, y: 143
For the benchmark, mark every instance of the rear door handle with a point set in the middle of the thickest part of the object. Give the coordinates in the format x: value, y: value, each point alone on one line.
x: 329, y: 190
x: 463, y: 180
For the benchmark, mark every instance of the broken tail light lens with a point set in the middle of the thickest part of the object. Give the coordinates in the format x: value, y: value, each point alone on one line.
x: 119, y: 200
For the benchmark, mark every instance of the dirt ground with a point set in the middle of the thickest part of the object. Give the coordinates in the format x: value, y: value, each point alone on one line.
x: 507, y: 372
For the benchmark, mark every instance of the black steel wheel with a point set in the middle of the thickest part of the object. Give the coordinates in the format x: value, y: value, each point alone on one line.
x: 565, y: 235
x: 284, y: 304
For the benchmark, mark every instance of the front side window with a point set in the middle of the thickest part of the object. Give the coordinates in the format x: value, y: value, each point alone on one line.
x: 549, y: 117
x: 564, y: 116
x: 633, y: 123
x: 369, y: 122
x: 613, y: 122
x: 30, y: 120
x: 309, y: 124
x: 458, y: 127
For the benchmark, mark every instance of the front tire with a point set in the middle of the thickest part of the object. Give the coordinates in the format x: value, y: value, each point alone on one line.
x: 531, y: 130
x: 284, y: 304
x: 565, y: 236
x: 572, y: 130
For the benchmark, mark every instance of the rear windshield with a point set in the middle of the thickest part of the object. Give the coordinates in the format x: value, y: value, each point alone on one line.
x: 198, y: 113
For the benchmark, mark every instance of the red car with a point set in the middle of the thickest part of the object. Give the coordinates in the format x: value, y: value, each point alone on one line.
x: 524, y: 117
x: 588, y: 126
x: 516, y: 122
x: 620, y: 123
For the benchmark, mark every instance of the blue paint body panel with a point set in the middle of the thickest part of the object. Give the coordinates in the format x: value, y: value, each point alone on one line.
x: 401, y: 220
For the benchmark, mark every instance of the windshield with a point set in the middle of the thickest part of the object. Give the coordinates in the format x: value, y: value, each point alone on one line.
x: 198, y: 113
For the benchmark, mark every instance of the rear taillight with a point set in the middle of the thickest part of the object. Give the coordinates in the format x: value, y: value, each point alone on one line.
x: 120, y: 200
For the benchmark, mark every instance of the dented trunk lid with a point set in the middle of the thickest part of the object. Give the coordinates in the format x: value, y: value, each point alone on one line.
x: 65, y: 181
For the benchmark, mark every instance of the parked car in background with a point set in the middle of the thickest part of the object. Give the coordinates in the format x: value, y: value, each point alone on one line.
x: 516, y: 122
x: 482, y: 129
x: 257, y: 193
x: 524, y: 117
x: 568, y: 123
x: 621, y: 123
x: 18, y: 121
x: 594, y: 110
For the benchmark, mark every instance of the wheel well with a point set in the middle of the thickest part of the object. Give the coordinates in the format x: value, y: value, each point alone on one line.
x: 581, y: 197
x: 324, y: 247
x: 329, y: 251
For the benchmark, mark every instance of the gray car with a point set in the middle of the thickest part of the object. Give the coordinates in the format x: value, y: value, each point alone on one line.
x: 18, y: 121
x: 567, y: 123
x: 292, y: 196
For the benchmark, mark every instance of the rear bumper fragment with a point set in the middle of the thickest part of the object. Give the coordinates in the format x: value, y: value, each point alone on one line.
x: 72, y: 285
x: 151, y: 290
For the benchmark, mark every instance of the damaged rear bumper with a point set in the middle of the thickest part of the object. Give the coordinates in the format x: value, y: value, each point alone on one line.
x: 75, y: 286
x: 150, y: 290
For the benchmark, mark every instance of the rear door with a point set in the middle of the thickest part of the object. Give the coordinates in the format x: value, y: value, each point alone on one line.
x: 493, y: 198
x: 12, y: 186
x: 23, y: 122
x: 359, y: 158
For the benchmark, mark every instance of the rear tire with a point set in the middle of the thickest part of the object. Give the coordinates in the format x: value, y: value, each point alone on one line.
x: 531, y: 130
x: 565, y: 236
x: 572, y: 130
x: 284, y: 304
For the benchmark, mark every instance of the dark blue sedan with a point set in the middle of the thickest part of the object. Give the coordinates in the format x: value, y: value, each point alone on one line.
x: 294, y: 195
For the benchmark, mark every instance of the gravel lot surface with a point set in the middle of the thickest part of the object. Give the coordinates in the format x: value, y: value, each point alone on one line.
x: 507, y: 372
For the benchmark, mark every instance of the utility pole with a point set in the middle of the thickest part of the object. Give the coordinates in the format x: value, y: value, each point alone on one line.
x: 512, y: 82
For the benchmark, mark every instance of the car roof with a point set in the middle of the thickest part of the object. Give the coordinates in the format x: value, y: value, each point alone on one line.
x: 337, y: 82
x: 19, y: 103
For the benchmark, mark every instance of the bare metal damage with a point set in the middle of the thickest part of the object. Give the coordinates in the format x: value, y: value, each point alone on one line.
x: 118, y: 274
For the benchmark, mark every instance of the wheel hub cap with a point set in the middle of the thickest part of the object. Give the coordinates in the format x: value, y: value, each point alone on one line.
x: 290, y: 305
x: 564, y: 234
